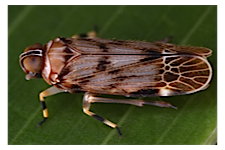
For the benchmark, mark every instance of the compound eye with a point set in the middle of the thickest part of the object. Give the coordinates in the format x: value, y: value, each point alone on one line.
x: 33, y: 63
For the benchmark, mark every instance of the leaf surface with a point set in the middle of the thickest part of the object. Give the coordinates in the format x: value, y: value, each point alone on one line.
x: 195, y: 121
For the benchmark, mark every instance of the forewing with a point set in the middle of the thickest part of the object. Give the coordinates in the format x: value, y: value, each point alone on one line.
x: 106, y: 46
x: 137, y: 75
x: 129, y: 68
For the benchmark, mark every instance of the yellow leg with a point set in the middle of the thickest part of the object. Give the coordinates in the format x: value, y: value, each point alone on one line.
x: 87, y: 100
x: 50, y: 91
x: 91, y: 34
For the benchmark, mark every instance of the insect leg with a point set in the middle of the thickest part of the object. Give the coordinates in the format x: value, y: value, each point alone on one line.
x: 87, y: 100
x: 137, y: 102
x: 91, y: 34
x: 166, y: 40
x: 50, y: 91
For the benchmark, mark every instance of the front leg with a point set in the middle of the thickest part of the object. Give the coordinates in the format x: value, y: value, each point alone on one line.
x: 48, y: 92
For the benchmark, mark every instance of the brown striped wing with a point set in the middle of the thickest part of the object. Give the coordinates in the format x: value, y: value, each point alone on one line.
x: 144, y: 70
x: 106, y: 46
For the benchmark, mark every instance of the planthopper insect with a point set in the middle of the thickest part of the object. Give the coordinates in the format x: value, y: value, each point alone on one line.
x: 116, y: 67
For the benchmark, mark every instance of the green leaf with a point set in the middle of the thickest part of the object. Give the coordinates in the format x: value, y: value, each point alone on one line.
x: 195, y: 121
